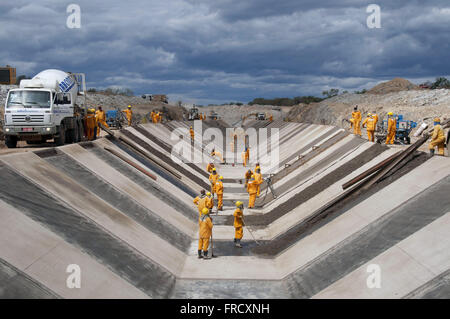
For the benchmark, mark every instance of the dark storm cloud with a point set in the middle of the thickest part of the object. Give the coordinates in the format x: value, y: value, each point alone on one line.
x: 228, y: 50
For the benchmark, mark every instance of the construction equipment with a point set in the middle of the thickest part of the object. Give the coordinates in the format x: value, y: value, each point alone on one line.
x: 261, y: 116
x: 213, y: 115
x: 403, y: 130
x: 193, y: 114
x: 8, y: 75
x: 50, y: 105
x: 114, y: 119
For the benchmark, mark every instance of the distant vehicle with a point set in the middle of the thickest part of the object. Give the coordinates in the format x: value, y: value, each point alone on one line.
x: 261, y: 116
x: 147, y: 96
x: 213, y: 115
x: 193, y: 114
x: 156, y: 97
x: 50, y: 105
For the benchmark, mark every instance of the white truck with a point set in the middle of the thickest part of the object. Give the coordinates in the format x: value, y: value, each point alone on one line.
x: 50, y: 105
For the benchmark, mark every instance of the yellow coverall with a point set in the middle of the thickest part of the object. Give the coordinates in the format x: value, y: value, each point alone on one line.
x: 191, y: 131
x: 356, y: 122
x: 219, y: 192
x: 200, y: 201
x: 129, y: 115
x: 248, y: 175
x: 437, y: 139
x: 392, y: 128
x: 252, y: 189
x: 101, y: 118
x: 238, y: 223
x: 152, y: 116
x: 258, y: 180
x: 90, y: 124
x: 209, y: 167
x: 213, y: 179
x: 370, y: 122
x: 205, y: 232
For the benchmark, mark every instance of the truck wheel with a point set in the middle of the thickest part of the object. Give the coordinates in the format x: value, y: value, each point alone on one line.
x: 60, y: 139
x: 11, y: 141
x: 80, y: 131
x: 70, y: 136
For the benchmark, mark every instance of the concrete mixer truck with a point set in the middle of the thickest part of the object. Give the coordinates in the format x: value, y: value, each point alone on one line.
x: 51, y: 105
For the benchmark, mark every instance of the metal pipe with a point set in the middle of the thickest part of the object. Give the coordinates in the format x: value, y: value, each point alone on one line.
x: 139, y: 168
x: 370, y: 171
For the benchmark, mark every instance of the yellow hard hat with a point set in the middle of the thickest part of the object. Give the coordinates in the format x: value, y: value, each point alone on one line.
x: 390, y: 113
x: 369, y: 114
x: 437, y: 119
x: 205, y: 211
x: 214, y: 169
x: 239, y: 203
x: 129, y: 106
x: 220, y: 177
x: 253, y: 176
x: 208, y: 194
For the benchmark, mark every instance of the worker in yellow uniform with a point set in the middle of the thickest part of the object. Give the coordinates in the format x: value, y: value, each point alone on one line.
x: 129, y: 114
x: 252, y: 190
x: 370, y: 123
x: 205, y: 232
x: 200, y: 202
x: 246, y: 156
x: 191, y: 131
x: 90, y: 124
x: 209, y: 167
x: 258, y: 179
x: 219, y: 191
x: 159, y: 117
x: 356, y: 121
x: 152, y: 116
x: 375, y: 117
x: 100, y: 116
x: 391, y: 128
x: 238, y: 223
x: 209, y: 201
x: 213, y: 177
x: 437, y: 138
x: 248, y: 175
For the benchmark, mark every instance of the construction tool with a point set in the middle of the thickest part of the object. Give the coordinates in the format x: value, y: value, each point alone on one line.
x: 250, y: 232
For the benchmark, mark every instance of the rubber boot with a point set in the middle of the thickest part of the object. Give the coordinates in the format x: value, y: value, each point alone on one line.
x: 432, y: 152
x: 205, y: 255
x: 238, y: 243
x: 235, y: 240
x: 199, y: 254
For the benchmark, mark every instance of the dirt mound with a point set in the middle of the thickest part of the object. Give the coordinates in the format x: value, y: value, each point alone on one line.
x: 395, y: 85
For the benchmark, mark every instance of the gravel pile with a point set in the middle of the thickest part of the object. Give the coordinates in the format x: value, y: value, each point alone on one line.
x: 413, y: 105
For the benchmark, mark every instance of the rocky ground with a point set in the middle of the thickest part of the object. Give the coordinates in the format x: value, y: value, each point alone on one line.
x: 414, y: 105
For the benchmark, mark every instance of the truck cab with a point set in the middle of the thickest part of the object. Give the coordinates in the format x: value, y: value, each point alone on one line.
x: 43, y: 108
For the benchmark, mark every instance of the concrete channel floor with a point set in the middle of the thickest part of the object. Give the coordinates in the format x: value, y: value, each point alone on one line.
x: 145, y: 262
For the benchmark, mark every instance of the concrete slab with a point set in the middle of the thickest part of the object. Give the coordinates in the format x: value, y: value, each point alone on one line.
x: 59, y: 185
x: 44, y: 256
x: 404, y: 267
x: 122, y: 183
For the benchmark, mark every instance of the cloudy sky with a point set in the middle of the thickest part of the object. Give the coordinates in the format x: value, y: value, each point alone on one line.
x: 215, y: 51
